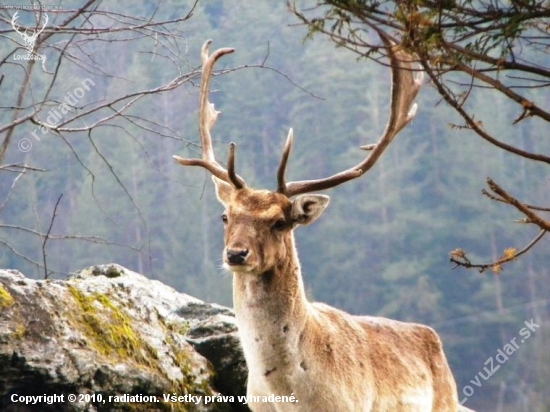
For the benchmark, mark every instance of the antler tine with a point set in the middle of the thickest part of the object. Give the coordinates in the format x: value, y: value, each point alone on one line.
x: 234, y: 179
x: 207, y: 112
x: 281, y: 183
x: 207, y: 118
x: 46, y: 19
x: 13, y: 20
x: 405, y: 88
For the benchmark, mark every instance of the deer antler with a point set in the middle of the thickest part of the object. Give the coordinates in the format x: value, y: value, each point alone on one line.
x: 207, y: 118
x: 13, y: 24
x: 46, y: 19
x: 405, y: 88
x: 35, y: 33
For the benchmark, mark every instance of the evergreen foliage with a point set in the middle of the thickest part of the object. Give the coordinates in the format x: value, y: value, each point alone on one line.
x: 383, y: 245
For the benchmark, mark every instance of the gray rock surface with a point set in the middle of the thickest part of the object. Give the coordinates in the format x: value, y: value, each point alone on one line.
x: 109, y: 331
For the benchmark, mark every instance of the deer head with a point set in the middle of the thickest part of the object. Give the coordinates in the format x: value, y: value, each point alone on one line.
x: 30, y: 41
x: 259, y: 223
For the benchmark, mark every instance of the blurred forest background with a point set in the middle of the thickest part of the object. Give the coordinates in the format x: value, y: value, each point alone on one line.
x: 99, y: 184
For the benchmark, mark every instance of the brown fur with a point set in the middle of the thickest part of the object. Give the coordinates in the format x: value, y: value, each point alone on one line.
x: 328, y: 359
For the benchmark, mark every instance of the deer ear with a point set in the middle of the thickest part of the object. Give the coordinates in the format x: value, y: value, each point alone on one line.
x: 307, y: 208
x: 223, y: 190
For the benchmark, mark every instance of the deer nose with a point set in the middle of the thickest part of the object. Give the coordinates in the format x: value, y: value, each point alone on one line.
x: 236, y: 256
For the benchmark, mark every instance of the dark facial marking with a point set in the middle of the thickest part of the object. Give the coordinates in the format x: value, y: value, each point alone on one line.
x: 270, y: 371
x: 267, y: 277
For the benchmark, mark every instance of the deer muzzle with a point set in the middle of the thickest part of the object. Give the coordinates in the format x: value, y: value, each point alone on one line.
x: 236, y: 256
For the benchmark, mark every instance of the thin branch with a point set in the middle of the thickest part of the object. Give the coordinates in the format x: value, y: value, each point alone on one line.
x: 264, y: 66
x: 525, y: 103
x: 20, y: 167
x: 15, y: 117
x: 21, y: 173
x: 474, y: 124
x: 46, y: 274
x: 509, y: 199
x: 92, y: 239
x: 21, y: 255
x: 498, y: 199
x: 459, y: 257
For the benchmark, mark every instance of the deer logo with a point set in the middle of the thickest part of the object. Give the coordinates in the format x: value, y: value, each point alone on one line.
x: 30, y: 40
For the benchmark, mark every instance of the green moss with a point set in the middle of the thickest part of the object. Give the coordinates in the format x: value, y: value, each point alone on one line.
x: 6, y: 299
x: 19, y: 333
x: 181, y: 328
x: 110, y: 331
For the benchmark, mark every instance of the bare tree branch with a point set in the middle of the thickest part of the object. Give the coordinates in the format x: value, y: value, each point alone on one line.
x: 528, y: 212
x: 47, y: 236
x: 460, y: 258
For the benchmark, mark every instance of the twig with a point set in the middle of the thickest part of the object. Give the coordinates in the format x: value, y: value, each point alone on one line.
x: 11, y: 190
x: 459, y: 258
x: 20, y: 254
x: 527, y: 205
x: 48, y: 236
x: 279, y: 72
x: 20, y: 167
x: 472, y: 123
x: 509, y: 199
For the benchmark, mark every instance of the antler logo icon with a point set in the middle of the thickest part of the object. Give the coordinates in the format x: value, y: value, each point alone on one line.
x: 30, y: 41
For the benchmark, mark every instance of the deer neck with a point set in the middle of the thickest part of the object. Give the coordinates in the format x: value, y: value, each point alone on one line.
x: 271, y: 310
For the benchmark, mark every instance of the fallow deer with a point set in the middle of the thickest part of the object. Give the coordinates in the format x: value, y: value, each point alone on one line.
x: 320, y: 357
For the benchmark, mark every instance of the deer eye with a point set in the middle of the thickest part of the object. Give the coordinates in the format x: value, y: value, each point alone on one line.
x: 224, y: 218
x: 279, y: 224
